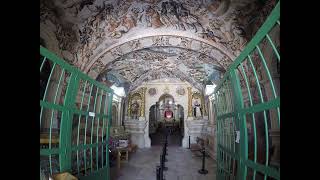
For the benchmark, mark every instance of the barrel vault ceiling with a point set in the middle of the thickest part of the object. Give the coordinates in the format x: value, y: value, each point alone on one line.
x: 135, y: 41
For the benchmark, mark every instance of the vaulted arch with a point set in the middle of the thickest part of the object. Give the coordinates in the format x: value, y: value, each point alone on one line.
x: 214, y: 51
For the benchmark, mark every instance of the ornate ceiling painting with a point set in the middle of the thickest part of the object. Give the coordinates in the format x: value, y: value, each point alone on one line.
x: 165, y: 62
x: 143, y: 40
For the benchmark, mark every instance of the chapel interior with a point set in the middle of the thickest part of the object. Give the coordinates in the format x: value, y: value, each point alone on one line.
x: 160, y: 61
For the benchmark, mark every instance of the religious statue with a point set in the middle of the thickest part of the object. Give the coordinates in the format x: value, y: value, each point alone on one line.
x: 135, y: 110
x: 196, y: 109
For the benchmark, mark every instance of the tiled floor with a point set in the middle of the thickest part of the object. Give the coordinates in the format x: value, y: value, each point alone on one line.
x: 182, y: 165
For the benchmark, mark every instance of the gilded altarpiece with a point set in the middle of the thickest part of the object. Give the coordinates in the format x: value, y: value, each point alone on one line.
x: 136, y: 103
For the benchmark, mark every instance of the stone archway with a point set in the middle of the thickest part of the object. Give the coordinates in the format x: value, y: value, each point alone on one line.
x: 213, y: 50
x: 140, y: 127
x: 179, y: 100
x: 166, y: 104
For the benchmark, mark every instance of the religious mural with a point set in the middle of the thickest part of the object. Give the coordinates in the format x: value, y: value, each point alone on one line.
x: 83, y: 29
x: 165, y: 62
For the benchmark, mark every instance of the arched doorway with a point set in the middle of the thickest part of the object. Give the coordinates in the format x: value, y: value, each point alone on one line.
x: 165, y: 115
x: 152, y: 120
x: 153, y: 123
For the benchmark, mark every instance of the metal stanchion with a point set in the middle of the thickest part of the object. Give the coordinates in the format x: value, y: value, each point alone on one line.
x: 164, y: 151
x: 203, y: 170
x: 162, y: 163
x: 160, y: 175
x: 158, y: 172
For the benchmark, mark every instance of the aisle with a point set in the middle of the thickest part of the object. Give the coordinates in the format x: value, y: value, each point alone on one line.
x: 181, y: 163
x: 174, y: 139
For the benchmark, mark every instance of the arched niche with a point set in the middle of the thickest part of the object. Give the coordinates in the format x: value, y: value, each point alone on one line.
x: 135, y: 105
x: 179, y: 100
x: 197, y: 105
x: 162, y: 87
x: 153, y: 119
x: 114, y: 117
x: 167, y: 107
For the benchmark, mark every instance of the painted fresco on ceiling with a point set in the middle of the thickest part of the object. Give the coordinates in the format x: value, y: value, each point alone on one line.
x: 81, y: 26
x: 165, y: 62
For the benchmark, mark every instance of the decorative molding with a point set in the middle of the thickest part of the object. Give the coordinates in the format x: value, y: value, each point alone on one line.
x: 143, y: 92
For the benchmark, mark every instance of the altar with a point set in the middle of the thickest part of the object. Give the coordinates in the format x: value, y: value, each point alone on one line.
x: 154, y: 106
x: 167, y: 108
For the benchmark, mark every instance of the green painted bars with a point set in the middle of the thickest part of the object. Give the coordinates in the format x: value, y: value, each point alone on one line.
x: 75, y: 114
x: 247, y: 103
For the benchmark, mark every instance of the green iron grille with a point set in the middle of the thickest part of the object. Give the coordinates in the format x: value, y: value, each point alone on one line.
x: 247, y: 103
x: 72, y: 139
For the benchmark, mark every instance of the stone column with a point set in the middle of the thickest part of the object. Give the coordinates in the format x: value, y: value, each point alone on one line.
x: 129, y: 105
x: 189, y: 101
x: 203, y: 105
x: 137, y: 131
x: 177, y: 118
x: 119, y: 111
x: 210, y: 109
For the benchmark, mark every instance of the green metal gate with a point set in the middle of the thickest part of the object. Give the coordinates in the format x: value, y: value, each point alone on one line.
x: 75, y: 113
x: 247, y: 103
